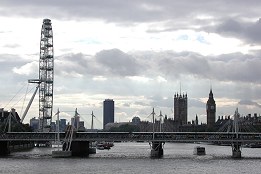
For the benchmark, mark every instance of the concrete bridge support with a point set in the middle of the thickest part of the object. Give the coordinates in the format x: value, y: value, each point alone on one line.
x: 236, y: 151
x: 92, y: 148
x: 4, y: 148
x: 156, y: 149
x: 80, y: 148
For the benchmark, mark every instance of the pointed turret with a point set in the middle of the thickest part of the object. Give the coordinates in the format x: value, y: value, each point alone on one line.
x: 196, y: 119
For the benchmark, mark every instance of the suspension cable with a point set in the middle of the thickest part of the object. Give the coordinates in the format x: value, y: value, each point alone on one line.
x: 15, y: 95
x: 24, y: 99
x: 21, y: 98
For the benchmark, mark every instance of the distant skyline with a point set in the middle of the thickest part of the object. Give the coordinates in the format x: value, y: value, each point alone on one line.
x: 135, y: 52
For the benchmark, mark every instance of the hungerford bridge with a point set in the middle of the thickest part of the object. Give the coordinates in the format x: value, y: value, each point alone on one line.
x: 81, y: 140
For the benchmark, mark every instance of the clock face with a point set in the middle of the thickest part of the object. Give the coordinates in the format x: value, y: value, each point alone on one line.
x: 212, y: 107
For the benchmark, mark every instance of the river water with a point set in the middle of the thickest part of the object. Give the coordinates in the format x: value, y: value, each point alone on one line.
x: 135, y: 158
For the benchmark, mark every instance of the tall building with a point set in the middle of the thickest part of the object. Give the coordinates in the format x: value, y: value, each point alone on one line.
x: 62, y: 125
x: 181, y: 108
x: 34, y: 123
x: 211, y: 110
x: 75, y: 121
x: 108, y: 112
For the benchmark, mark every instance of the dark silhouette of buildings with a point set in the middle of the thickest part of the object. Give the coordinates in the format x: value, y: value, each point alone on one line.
x: 12, y: 117
x: 5, y: 114
x: 211, y: 110
x: 181, y: 108
x: 108, y: 112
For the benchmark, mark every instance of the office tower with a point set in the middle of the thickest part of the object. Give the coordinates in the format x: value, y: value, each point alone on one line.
x: 62, y: 125
x: 34, y: 124
x: 75, y: 121
x: 108, y: 111
x: 181, y: 108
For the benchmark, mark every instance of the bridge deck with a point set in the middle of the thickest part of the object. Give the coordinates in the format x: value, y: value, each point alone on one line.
x: 243, y: 137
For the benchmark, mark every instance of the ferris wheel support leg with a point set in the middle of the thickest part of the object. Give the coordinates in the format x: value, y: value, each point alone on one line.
x: 29, y: 104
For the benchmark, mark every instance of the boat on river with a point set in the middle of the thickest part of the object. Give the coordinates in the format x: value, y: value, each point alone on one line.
x: 199, y: 150
x: 253, y: 145
x: 104, y: 145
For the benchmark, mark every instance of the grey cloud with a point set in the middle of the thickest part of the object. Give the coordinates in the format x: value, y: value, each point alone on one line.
x: 129, y: 11
x: 10, y: 80
x: 189, y: 63
x: 170, y: 65
x: 248, y: 31
x: 230, y: 26
x: 230, y: 67
x: 140, y: 103
x: 117, y: 62
x: 113, y: 10
x: 77, y: 63
x: 249, y: 102
x: 229, y: 18
x: 105, y: 63
x: 159, y: 101
x: 196, y: 103
x: 9, y: 61
x: 239, y: 70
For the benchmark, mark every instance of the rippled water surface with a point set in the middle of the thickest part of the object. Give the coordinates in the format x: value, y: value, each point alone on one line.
x: 135, y: 158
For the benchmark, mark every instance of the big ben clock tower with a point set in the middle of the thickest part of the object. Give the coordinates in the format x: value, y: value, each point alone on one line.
x: 211, y: 110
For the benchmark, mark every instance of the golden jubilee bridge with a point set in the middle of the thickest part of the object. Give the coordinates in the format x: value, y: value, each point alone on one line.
x: 81, y: 140
x: 219, y: 137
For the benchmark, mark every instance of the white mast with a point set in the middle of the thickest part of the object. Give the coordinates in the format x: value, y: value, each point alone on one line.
x: 161, y: 120
x: 58, y: 127
x: 236, y: 117
x: 92, y: 121
x: 153, y: 123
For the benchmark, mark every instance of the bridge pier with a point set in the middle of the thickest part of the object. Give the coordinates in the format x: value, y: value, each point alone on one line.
x: 4, y: 148
x: 156, y: 149
x: 80, y: 148
x: 236, y: 152
x: 92, y: 148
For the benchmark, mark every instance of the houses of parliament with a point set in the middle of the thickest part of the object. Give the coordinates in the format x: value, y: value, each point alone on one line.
x: 180, y: 122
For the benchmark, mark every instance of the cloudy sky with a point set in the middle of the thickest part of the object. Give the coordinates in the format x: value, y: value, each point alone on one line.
x: 136, y: 52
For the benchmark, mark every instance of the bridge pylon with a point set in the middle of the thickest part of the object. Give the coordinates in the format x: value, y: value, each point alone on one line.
x: 156, y: 146
x: 156, y: 149
x: 236, y: 146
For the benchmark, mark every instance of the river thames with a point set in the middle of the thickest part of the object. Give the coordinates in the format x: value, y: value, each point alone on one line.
x: 135, y: 158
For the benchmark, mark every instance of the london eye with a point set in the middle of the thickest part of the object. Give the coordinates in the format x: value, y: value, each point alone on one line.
x: 45, y: 80
x: 46, y: 76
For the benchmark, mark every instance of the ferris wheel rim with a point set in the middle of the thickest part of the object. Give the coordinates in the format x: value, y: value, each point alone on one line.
x: 46, y: 75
